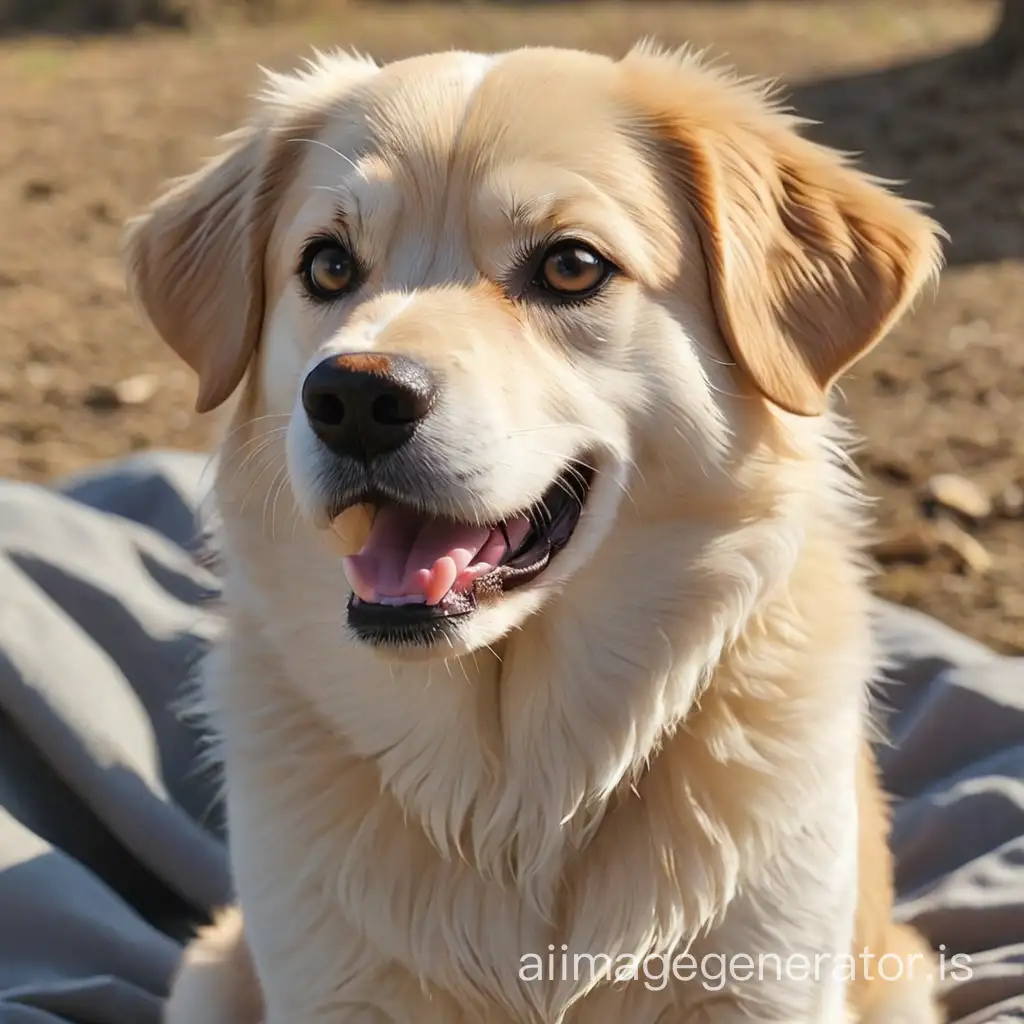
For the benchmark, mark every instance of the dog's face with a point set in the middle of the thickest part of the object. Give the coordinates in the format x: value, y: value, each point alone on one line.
x: 502, y: 315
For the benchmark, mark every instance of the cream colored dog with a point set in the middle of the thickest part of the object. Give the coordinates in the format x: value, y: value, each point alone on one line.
x: 544, y: 696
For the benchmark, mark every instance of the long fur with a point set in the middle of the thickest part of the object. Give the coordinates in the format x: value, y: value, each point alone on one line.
x: 659, y: 749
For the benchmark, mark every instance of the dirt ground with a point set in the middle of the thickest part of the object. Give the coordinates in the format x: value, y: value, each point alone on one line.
x: 92, y: 128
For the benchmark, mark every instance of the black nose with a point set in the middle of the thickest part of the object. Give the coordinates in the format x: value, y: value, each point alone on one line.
x: 367, y: 403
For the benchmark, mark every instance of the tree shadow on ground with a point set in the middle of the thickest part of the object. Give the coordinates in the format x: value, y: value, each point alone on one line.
x: 951, y: 128
x: 72, y: 17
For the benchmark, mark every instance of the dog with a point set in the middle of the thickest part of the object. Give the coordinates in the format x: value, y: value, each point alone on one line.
x: 546, y: 683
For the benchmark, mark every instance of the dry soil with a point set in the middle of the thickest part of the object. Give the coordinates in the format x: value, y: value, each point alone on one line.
x: 92, y: 128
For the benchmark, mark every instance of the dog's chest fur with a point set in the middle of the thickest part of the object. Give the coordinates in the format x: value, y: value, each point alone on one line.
x: 416, y: 854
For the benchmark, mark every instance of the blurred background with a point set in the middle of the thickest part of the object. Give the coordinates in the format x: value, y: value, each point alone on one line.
x: 103, y: 100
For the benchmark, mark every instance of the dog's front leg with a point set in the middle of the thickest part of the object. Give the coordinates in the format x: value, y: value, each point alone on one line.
x: 215, y: 982
x: 784, y: 951
x: 785, y: 985
x: 310, y: 964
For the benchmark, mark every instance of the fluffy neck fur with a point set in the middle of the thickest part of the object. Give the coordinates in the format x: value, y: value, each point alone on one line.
x: 703, y: 677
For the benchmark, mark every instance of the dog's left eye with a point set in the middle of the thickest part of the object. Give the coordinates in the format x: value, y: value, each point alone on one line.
x: 573, y: 270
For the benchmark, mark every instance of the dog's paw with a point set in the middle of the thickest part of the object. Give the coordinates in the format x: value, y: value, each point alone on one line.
x: 215, y: 983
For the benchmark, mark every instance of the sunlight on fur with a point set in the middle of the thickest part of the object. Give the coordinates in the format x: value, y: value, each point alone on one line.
x: 547, y: 613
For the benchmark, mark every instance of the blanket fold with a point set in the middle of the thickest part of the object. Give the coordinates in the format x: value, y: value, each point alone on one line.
x: 111, y: 831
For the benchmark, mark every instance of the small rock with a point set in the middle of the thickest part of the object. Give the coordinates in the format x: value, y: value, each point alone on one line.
x: 914, y: 546
x: 995, y: 400
x: 889, y: 383
x: 26, y: 433
x: 102, y: 397
x: 137, y: 390
x: 100, y: 210
x: 38, y: 190
x: 967, y: 550
x: 959, y: 495
x: 1010, y: 502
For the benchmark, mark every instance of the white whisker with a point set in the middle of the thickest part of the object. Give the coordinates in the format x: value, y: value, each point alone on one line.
x: 255, y: 484
x: 337, y: 152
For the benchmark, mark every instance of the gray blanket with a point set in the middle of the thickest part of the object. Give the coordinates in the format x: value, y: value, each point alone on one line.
x: 111, y: 836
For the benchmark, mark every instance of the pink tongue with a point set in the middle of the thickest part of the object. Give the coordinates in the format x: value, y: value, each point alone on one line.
x: 409, y: 559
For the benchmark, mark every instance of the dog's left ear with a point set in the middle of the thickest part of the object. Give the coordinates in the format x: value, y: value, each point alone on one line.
x: 810, y: 262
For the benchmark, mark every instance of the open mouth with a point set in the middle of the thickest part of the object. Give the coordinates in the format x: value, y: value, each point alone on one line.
x: 416, y: 572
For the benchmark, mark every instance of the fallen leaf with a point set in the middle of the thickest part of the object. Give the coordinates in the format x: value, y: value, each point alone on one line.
x: 959, y: 495
x: 967, y: 550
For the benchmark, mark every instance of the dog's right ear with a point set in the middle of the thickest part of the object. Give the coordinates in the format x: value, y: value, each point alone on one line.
x: 195, y: 260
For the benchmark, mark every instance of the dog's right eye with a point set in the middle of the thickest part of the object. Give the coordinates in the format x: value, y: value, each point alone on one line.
x: 328, y: 270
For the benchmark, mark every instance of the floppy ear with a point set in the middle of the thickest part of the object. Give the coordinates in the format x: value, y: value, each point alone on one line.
x: 195, y: 258
x: 195, y: 261
x: 810, y: 261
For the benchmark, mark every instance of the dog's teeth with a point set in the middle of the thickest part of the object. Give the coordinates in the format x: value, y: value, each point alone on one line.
x: 395, y: 602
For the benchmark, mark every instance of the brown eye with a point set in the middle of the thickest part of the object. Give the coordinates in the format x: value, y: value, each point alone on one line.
x: 572, y: 269
x: 328, y: 270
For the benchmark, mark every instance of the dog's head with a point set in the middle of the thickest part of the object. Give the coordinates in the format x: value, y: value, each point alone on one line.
x: 507, y: 322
